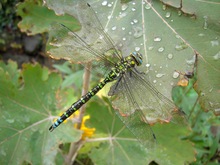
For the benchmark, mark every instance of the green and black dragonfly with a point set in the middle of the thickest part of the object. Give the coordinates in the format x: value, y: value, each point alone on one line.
x: 135, y: 100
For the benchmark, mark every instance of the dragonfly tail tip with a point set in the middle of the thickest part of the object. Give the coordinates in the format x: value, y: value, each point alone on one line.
x: 51, y: 128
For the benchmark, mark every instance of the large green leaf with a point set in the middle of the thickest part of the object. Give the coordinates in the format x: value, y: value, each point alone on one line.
x: 202, y: 33
x: 27, y: 99
x: 132, y: 26
x: 121, y: 147
x: 167, y: 35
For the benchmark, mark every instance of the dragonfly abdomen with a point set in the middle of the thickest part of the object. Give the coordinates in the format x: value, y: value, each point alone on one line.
x: 78, y: 104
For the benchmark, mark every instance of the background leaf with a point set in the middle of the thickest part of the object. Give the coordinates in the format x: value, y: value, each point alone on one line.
x: 172, y: 32
x: 37, y: 18
x: 26, y: 102
x: 203, y: 37
x: 120, y: 146
x: 136, y: 26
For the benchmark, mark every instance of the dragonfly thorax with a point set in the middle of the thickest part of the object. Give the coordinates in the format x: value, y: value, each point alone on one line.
x: 134, y: 59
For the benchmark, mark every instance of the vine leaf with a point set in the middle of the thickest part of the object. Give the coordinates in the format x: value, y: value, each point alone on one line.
x: 201, y: 33
x: 26, y: 101
x: 167, y: 39
x: 119, y: 146
x: 133, y: 26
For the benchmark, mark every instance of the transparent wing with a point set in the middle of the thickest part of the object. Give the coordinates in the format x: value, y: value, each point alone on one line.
x: 139, y: 105
x: 152, y: 103
x: 134, y: 120
x: 88, y: 44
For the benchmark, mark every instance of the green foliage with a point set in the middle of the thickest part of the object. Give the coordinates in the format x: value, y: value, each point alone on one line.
x: 27, y: 99
x: 72, y: 75
x: 196, y: 23
x: 205, y: 125
x: 7, y: 14
x: 8, y: 23
x: 30, y: 96
x: 121, y: 147
x: 37, y: 18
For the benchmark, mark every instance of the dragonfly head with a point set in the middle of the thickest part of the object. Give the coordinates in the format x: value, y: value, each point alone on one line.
x: 138, y: 58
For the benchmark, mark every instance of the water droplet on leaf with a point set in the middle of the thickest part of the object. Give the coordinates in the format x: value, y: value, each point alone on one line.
x: 137, y: 49
x: 114, y: 28
x: 135, y: 20
x: 160, y: 75
x: 175, y: 74
x: 109, y: 5
x: 164, y: 7
x: 168, y: 14
x: 161, y: 49
x: 104, y: 3
x: 157, y: 39
x: 170, y: 56
x: 147, y: 65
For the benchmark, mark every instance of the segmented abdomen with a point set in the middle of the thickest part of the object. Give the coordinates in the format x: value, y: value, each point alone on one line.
x: 78, y: 104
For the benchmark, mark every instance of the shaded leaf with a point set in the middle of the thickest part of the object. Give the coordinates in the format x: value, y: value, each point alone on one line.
x: 25, y: 115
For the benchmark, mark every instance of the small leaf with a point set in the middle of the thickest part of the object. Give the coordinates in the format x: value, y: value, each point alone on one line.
x: 37, y: 18
x: 11, y: 71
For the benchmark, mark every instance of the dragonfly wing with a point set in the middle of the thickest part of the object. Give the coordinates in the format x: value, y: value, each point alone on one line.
x: 90, y: 43
x: 139, y: 103
x: 139, y: 128
x: 155, y: 106
x: 130, y: 113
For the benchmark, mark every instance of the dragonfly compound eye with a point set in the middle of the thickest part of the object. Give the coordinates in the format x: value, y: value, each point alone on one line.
x: 138, y: 58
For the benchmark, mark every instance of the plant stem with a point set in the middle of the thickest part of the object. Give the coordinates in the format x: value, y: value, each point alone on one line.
x: 74, y: 147
x: 86, y: 79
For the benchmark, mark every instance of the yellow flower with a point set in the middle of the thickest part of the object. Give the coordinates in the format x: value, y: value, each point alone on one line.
x: 87, y: 132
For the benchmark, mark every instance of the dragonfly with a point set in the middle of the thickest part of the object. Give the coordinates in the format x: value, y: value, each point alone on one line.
x: 136, y: 101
